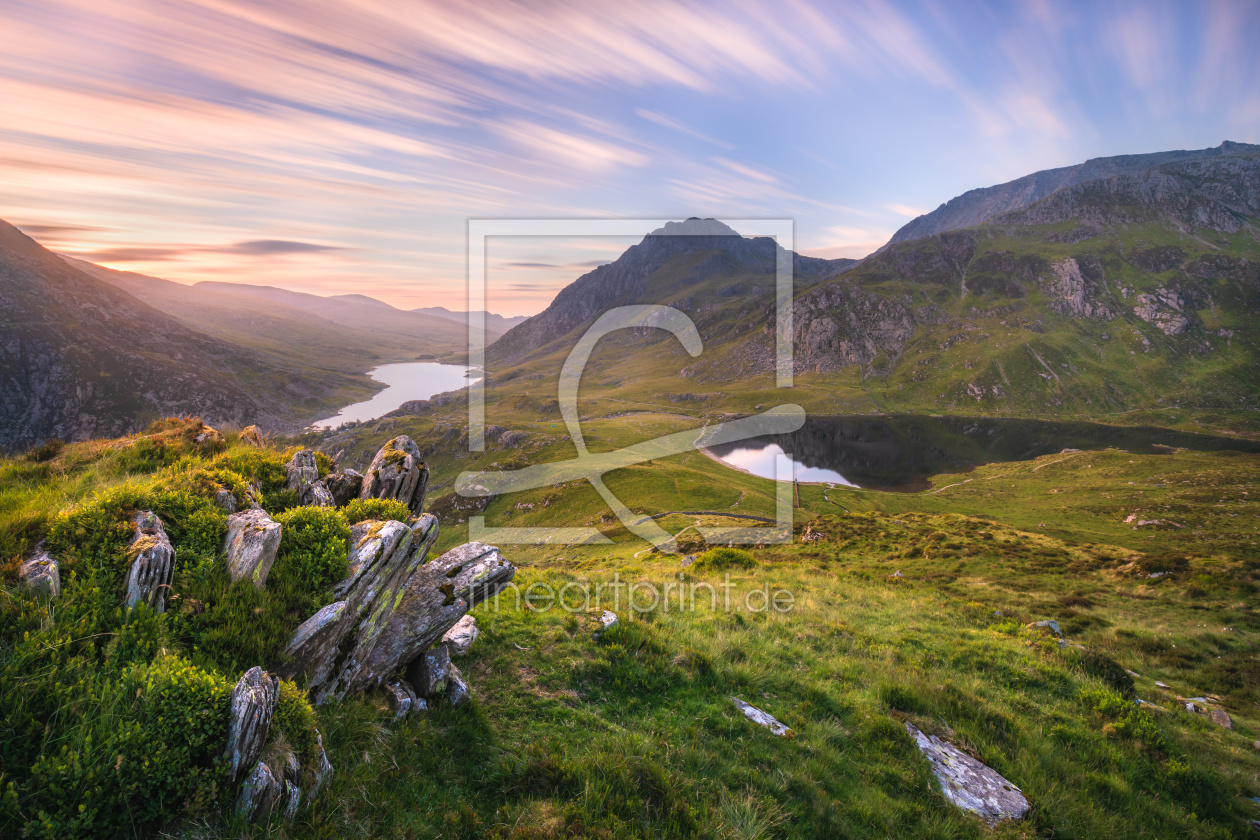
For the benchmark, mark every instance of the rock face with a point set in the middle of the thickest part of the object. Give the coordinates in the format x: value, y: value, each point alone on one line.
x: 152, y: 563
x: 392, y: 606
x: 398, y: 472
x: 1072, y: 294
x: 344, y: 486
x: 969, y: 784
x: 250, y: 545
x: 253, y: 703
x: 40, y: 574
x: 1164, y: 309
x: 261, y: 794
x: 459, y: 638
x: 302, y: 471
x: 317, y: 495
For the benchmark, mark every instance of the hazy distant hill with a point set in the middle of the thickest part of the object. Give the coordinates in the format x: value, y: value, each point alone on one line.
x: 82, y: 358
x: 495, y: 324
x: 975, y: 207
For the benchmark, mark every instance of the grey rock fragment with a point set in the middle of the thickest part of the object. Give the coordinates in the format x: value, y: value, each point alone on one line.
x: 397, y: 472
x: 317, y: 495
x: 765, y: 719
x: 1051, y: 625
x: 404, y: 699
x: 458, y: 691
x: 152, y: 563
x: 251, y: 543
x: 344, y: 486
x: 252, y: 705
x: 969, y: 784
x: 40, y: 574
x: 429, y: 672
x: 261, y: 794
x: 459, y: 639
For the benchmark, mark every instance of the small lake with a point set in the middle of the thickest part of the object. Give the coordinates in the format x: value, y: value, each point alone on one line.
x: 404, y: 381
x: 902, y: 453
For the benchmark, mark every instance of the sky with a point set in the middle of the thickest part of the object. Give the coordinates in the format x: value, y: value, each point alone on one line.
x: 335, y: 146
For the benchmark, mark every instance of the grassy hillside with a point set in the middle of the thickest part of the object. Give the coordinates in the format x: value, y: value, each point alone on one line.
x: 632, y: 734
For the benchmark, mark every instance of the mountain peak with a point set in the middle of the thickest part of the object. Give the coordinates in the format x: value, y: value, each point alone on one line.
x: 695, y: 226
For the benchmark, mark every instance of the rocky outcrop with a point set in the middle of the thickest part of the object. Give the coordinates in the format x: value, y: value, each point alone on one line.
x: 302, y: 471
x: 344, y: 486
x: 250, y: 546
x: 838, y: 325
x: 40, y: 575
x: 459, y: 639
x: 251, y: 707
x: 398, y: 472
x: 1165, y: 309
x: 1072, y: 294
x: 969, y: 784
x: 262, y: 794
x: 317, y: 495
x: 251, y: 436
x: 152, y: 563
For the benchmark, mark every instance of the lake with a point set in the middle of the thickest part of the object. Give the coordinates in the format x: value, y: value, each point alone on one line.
x: 404, y: 381
x: 902, y: 453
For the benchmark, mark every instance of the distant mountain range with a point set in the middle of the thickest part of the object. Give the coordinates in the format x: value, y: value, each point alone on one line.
x: 496, y: 324
x: 1123, y: 283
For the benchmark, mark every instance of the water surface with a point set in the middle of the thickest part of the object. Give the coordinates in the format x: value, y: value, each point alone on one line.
x: 404, y: 381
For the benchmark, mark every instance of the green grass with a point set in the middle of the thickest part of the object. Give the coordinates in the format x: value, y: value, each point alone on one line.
x: 632, y: 733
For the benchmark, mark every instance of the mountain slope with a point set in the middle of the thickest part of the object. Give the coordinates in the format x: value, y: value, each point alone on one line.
x: 975, y: 207
x: 495, y: 324
x: 80, y: 358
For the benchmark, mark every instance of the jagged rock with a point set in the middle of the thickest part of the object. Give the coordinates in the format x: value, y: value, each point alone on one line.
x: 458, y: 691
x: 969, y: 784
x: 303, y: 471
x: 765, y: 719
x: 404, y: 699
x: 397, y: 472
x: 429, y: 672
x: 40, y: 574
x: 208, y: 435
x: 317, y: 495
x: 322, y: 773
x: 250, y: 436
x: 261, y: 794
x: 1221, y: 718
x: 152, y: 562
x: 608, y: 619
x: 228, y: 501
x: 252, y: 704
x: 460, y: 637
x: 344, y: 486
x: 1072, y: 294
x: 1163, y: 309
x: 250, y: 545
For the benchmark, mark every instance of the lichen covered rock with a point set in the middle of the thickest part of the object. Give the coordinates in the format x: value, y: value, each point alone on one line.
x: 344, y: 486
x: 302, y: 471
x: 429, y: 671
x: 40, y: 574
x: 152, y: 563
x: 397, y: 472
x: 251, y: 707
x: 250, y: 546
x: 969, y: 784
x: 459, y: 639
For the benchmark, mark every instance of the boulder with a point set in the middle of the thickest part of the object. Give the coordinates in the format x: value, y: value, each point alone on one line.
x: 458, y: 691
x: 252, y: 704
x: 344, y: 486
x: 608, y: 619
x: 302, y: 471
x: 1221, y: 718
x: 765, y: 719
x: 428, y: 672
x: 252, y: 541
x: 152, y: 562
x: 392, y: 607
x: 397, y: 472
x: 250, y: 436
x: 40, y: 575
x: 969, y: 784
x: 459, y: 638
x: 322, y: 773
x: 1051, y: 625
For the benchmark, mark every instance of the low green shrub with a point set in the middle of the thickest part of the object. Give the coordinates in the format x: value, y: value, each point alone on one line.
x: 1102, y: 667
x: 361, y: 510
x: 1125, y: 718
x: 721, y: 559
x: 313, y: 548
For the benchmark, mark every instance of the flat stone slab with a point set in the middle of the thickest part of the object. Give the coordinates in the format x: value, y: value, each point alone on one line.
x: 765, y: 719
x: 969, y: 784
